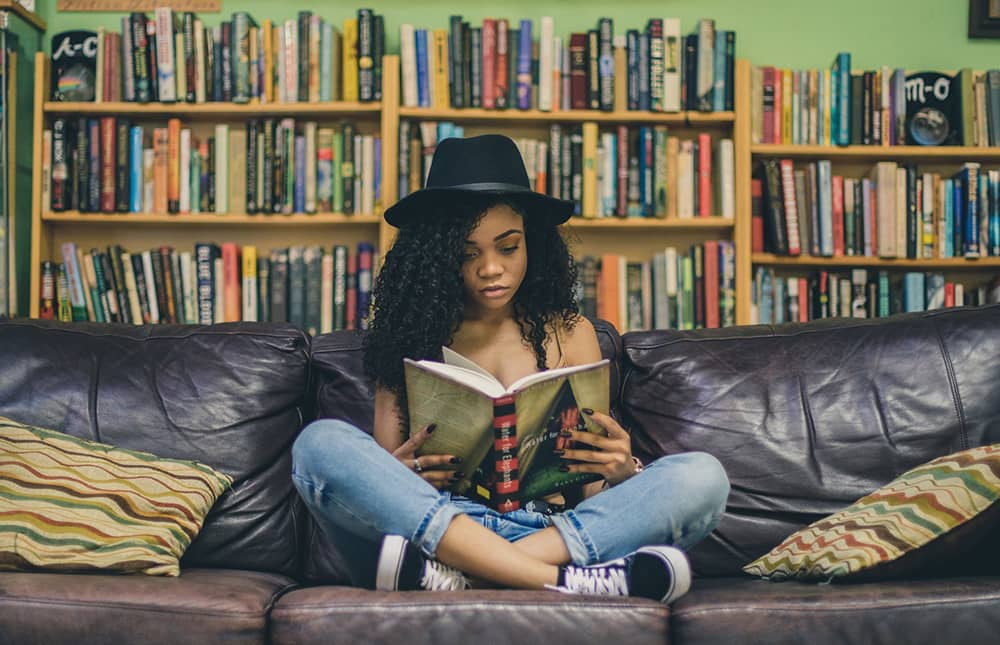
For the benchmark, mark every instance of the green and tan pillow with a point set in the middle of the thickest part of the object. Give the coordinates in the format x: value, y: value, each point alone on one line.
x: 923, y: 517
x: 67, y: 504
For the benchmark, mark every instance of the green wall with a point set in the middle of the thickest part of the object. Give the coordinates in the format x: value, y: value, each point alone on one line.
x: 925, y: 34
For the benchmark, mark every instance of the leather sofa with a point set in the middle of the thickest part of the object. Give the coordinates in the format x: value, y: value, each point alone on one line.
x: 805, y: 417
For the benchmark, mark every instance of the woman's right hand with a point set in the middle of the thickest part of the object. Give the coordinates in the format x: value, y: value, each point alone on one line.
x: 437, y: 470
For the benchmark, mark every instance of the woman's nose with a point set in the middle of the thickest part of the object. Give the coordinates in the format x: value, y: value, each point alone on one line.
x: 490, y: 267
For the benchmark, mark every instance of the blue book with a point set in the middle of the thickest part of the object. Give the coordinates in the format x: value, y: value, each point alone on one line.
x: 135, y: 170
x: 719, y: 73
x: 949, y: 219
x: 993, y: 223
x: 884, y: 296
x: 824, y: 172
x: 913, y: 291
x: 779, y: 300
x: 299, y: 204
x: 204, y: 258
x: 820, y: 112
x: 423, y: 86
x: 325, y: 61
x: 969, y: 179
x: 766, y: 296
x: 524, y: 67
x: 840, y: 103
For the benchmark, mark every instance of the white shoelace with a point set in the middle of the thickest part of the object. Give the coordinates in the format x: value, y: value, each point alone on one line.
x: 441, y: 577
x: 594, y: 581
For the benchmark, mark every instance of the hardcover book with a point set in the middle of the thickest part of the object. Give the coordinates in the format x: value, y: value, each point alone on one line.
x: 505, y: 437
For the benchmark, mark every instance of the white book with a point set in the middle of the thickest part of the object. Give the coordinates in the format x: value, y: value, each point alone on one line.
x: 189, y: 286
x: 249, y: 284
x: 310, y: 134
x: 359, y: 162
x: 147, y: 268
x: 408, y: 64
x: 884, y: 176
x: 545, y: 55
x: 557, y: 45
x: 368, y: 174
x: 222, y: 168
x: 279, y: 67
x: 326, y: 295
x: 199, y: 61
x: 166, y: 81
x: 148, y: 183
x: 185, y: 163
x: 609, y: 180
x: 291, y: 68
x: 623, y: 291
x: 727, y: 183
x: 131, y: 291
x: 685, y: 180
x: 706, y: 57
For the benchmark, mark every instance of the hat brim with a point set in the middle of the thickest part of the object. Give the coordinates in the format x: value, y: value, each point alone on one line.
x: 417, y: 205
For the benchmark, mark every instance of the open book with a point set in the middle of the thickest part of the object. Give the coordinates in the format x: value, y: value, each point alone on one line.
x: 505, y: 436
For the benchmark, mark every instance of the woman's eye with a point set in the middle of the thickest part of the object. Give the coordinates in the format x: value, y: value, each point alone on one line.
x: 508, y: 249
x: 468, y: 256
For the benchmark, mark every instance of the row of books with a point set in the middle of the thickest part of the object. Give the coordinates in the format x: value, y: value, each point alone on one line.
x: 887, y: 107
x: 319, y: 289
x: 670, y: 291
x: 109, y: 164
x: 620, y: 172
x: 859, y: 294
x: 173, y: 56
x: 895, y: 212
x: 504, y: 64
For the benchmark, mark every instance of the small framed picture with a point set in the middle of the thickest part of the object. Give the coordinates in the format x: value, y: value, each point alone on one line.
x: 984, y: 18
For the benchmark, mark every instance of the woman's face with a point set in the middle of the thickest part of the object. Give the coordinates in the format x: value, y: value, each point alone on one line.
x: 494, y: 261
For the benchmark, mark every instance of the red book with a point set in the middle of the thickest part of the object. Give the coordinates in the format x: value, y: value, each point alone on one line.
x: 352, y: 291
x: 578, y: 71
x: 949, y: 294
x: 607, y: 290
x: 505, y: 453
x: 501, y: 81
x: 704, y: 174
x: 803, y: 300
x: 837, y: 187
x: 174, y: 165
x: 489, y: 44
x: 776, y: 115
x: 232, y: 290
x: 108, y: 155
x: 622, y: 191
x: 711, y: 284
x: 757, y: 215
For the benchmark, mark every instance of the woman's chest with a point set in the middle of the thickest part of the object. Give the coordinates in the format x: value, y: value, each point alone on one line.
x: 508, y: 359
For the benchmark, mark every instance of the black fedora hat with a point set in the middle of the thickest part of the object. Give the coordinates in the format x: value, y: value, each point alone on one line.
x: 488, y: 165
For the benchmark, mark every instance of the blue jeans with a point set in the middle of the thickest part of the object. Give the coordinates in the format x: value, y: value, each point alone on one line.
x: 358, y: 492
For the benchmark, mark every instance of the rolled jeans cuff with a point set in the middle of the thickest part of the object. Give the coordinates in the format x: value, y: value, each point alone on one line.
x: 582, y: 550
x: 433, y: 525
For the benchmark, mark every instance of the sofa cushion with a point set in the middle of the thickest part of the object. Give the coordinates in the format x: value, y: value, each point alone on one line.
x: 67, y: 504
x: 758, y: 612
x: 345, y: 615
x: 931, y: 514
x: 207, y: 606
x: 343, y: 391
x: 807, y: 418
x: 231, y: 396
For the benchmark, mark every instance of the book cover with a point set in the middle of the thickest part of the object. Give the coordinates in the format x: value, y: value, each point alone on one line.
x: 506, y: 435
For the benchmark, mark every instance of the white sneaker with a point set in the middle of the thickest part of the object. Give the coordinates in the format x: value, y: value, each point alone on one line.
x: 657, y: 572
x: 402, y: 567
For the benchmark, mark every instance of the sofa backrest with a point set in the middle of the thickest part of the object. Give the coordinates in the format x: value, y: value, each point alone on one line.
x: 231, y: 396
x: 807, y: 418
x: 344, y: 392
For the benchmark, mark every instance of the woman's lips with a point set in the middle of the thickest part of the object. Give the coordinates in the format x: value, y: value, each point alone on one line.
x: 494, y: 291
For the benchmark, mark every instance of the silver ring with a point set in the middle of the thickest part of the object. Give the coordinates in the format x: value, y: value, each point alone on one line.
x: 416, y: 465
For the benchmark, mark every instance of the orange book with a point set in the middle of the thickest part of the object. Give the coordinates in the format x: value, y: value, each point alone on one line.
x: 232, y: 290
x: 803, y: 300
x: 607, y: 290
x: 267, y: 31
x: 489, y: 52
x: 704, y: 174
x: 160, y: 172
x: 174, y: 165
x: 711, y: 284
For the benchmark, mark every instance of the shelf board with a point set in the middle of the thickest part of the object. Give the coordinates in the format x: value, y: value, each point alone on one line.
x: 959, y: 153
x: 194, y: 219
x: 212, y: 110
x: 575, y: 116
x: 30, y: 16
x: 651, y: 223
x: 870, y: 262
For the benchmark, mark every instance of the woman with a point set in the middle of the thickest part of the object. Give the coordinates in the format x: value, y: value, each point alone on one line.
x: 479, y: 266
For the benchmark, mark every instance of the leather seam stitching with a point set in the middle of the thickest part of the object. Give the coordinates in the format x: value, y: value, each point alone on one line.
x: 956, y: 397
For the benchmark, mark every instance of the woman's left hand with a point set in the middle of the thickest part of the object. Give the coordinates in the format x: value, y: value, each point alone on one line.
x: 609, y: 456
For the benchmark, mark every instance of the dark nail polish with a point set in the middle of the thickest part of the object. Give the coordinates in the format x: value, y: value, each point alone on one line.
x: 587, y: 410
x: 456, y: 460
x: 566, y: 435
x: 459, y: 475
x: 558, y: 453
x: 564, y: 468
x: 431, y: 428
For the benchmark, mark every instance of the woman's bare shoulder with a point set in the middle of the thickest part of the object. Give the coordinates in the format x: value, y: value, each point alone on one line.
x: 578, y: 341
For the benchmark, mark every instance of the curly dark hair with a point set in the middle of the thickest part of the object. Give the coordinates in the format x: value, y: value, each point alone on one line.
x: 418, y: 299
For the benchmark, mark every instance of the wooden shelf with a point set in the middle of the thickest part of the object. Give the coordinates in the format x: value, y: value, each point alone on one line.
x: 30, y: 16
x: 651, y: 223
x: 212, y: 110
x: 201, y: 219
x: 573, y: 116
x: 870, y: 262
x: 925, y: 153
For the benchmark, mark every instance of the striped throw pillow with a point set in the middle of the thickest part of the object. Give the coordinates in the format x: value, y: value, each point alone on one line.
x: 930, y: 513
x: 67, y: 504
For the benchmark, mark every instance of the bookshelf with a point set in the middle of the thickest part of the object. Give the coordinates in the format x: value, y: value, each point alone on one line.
x: 636, y: 238
x: 149, y: 230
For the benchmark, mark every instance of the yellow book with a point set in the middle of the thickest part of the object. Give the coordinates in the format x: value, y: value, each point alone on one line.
x: 350, y: 59
x: 440, y: 99
x: 314, y: 29
x: 268, y: 29
x: 786, y: 106
x: 826, y: 107
x: 250, y: 283
x: 673, y: 150
x: 589, y: 206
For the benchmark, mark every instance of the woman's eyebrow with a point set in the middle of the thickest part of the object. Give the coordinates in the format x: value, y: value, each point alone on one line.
x: 506, y: 233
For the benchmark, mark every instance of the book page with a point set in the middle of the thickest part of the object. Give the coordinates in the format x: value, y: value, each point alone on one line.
x: 477, y: 379
x: 525, y: 382
x: 451, y: 357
